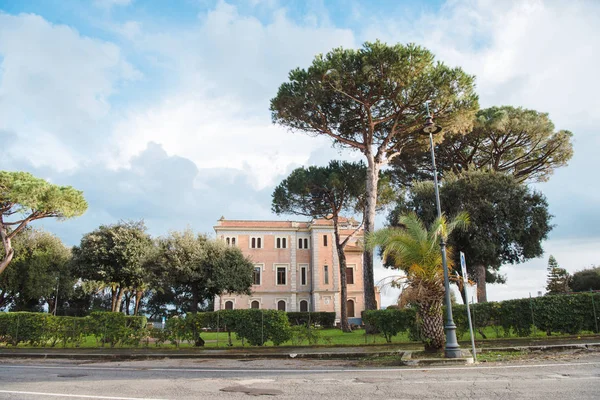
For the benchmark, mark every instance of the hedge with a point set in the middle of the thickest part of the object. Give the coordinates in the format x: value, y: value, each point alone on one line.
x: 41, y: 329
x: 390, y: 322
x: 567, y: 314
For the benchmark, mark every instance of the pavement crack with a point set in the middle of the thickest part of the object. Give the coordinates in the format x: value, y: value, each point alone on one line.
x: 251, y: 391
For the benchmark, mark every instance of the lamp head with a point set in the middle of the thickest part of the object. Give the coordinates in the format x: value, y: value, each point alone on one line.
x: 430, y: 127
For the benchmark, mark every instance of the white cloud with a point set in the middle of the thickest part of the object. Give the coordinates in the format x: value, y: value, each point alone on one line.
x: 55, y: 88
x: 216, y: 114
x: 214, y: 133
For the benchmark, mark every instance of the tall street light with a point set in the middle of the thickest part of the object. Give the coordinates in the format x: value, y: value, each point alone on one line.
x: 452, y: 349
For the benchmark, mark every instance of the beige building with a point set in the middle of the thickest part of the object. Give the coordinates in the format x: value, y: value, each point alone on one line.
x: 296, y: 267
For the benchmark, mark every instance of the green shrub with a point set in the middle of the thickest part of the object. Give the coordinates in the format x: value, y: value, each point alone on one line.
x: 178, y: 330
x: 260, y: 326
x: 390, y: 322
x: 305, y: 333
x: 67, y: 330
x: 564, y: 314
x: 117, y: 328
x: 160, y: 336
x: 24, y: 327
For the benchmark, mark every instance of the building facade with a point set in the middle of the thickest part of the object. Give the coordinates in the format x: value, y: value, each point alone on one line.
x: 296, y: 267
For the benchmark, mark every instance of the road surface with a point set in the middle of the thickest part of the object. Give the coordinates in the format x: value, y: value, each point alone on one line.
x: 563, y: 378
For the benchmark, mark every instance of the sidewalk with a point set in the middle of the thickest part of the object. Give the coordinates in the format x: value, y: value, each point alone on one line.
x: 266, y: 352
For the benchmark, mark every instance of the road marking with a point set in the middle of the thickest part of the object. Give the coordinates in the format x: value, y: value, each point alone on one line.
x: 81, y: 396
x: 421, y: 369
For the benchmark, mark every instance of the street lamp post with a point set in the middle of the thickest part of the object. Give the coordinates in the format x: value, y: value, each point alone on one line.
x: 452, y: 349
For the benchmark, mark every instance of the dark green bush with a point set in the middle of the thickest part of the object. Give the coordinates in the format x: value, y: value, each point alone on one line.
x: 565, y: 314
x: 390, y: 322
x: 23, y: 327
x: 117, y: 328
x: 260, y: 326
x: 67, y: 330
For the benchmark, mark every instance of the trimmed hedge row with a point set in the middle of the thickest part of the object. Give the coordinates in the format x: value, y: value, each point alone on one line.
x: 41, y: 329
x: 253, y: 326
x: 569, y: 314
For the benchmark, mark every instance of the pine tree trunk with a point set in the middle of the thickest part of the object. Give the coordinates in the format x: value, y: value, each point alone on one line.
x: 481, y: 288
x: 432, y: 326
x: 343, y: 285
x: 369, y: 227
x: 8, y: 250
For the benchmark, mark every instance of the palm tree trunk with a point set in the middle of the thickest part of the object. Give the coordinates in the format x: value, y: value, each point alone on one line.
x: 432, y: 321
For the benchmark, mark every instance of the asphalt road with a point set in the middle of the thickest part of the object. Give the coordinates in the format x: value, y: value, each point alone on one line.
x: 574, y: 378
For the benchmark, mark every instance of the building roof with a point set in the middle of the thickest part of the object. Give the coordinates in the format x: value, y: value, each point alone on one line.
x: 293, y: 225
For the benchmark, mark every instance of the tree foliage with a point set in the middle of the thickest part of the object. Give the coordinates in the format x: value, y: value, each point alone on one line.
x: 516, y: 141
x: 371, y: 100
x: 201, y: 268
x: 414, y: 249
x: 558, y: 278
x: 329, y: 192
x: 41, y: 266
x: 25, y: 198
x: 587, y: 279
x: 114, y: 256
x: 509, y: 220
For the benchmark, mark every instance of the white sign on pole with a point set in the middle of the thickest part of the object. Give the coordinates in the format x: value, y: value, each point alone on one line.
x: 463, y: 267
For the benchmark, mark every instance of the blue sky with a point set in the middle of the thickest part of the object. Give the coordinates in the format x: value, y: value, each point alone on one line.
x: 159, y: 110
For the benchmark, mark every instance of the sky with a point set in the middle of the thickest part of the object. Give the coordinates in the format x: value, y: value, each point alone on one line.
x: 160, y: 110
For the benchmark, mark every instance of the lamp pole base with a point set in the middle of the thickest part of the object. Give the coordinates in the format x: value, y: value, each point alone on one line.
x: 452, y: 349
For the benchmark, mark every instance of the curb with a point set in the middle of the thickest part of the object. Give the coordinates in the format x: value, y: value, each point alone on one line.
x: 551, y: 347
x: 148, y: 356
x: 409, y: 361
x: 405, y: 355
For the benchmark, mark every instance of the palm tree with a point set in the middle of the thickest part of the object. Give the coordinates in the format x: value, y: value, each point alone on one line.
x: 415, y: 250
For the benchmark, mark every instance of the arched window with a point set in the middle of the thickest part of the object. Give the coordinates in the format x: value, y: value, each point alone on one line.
x: 233, y: 241
x: 229, y: 305
x: 255, y: 304
x: 350, y: 308
x: 227, y: 241
x: 281, y: 305
x: 303, y: 306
